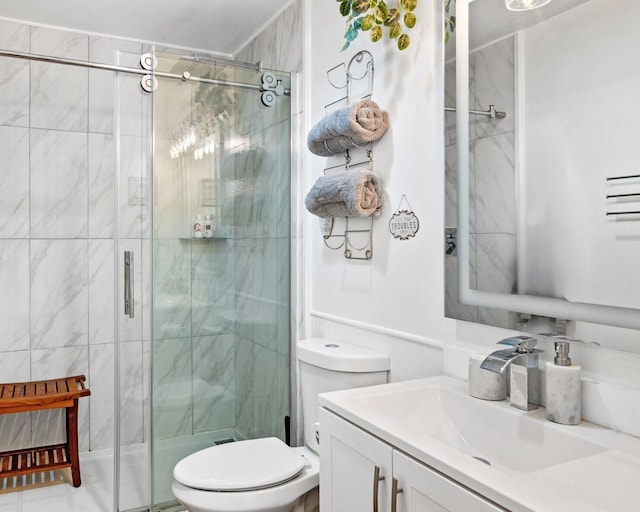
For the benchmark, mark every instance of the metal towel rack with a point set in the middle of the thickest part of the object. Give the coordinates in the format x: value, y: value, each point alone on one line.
x: 492, y: 113
x: 613, y: 198
x: 354, y: 235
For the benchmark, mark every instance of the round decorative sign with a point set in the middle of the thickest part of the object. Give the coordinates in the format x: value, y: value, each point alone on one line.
x: 404, y: 224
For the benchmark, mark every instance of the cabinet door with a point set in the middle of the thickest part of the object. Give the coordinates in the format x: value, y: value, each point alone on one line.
x: 422, y: 489
x: 349, y: 480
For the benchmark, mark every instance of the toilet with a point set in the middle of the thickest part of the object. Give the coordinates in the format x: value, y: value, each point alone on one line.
x: 266, y: 475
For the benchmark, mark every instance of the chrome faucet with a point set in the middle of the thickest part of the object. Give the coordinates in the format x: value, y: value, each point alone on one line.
x: 525, y: 375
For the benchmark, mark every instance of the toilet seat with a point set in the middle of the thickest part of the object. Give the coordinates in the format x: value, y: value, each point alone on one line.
x: 271, y: 499
x: 242, y: 466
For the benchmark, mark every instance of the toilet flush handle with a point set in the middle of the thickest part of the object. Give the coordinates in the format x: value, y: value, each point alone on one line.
x: 316, y: 431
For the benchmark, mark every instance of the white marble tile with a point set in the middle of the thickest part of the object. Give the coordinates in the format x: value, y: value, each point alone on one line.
x: 494, y: 159
x: 211, y: 286
x: 280, y: 45
x: 15, y: 429
x: 110, y: 50
x: 14, y: 36
x: 59, y: 43
x: 496, y: 271
x: 14, y: 76
x: 14, y: 182
x: 496, y: 262
x: 133, y: 105
x: 266, y: 398
x: 59, y: 94
x: 58, y: 184
x: 131, y: 393
x: 101, y: 100
x: 59, y: 293
x: 101, y: 164
x: 14, y: 92
x: 14, y: 295
x: 172, y: 388
x: 101, y: 291
x: 101, y: 383
x: 59, y: 97
x: 177, y: 200
x: 134, y: 202
x: 495, y: 85
x: 172, y: 289
x: 213, y: 391
x: 49, y: 426
x: 244, y: 370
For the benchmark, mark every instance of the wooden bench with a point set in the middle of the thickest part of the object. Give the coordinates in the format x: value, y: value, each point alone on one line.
x: 38, y: 396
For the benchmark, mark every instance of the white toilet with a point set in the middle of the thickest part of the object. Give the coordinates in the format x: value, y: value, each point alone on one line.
x: 266, y: 475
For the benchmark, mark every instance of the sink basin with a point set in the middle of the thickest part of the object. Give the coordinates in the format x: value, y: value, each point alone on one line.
x: 492, y: 433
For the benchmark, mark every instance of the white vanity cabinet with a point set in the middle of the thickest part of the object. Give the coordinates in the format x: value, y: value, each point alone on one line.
x: 361, y: 473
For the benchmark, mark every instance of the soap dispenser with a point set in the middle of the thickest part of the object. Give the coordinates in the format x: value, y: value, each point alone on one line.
x: 563, y: 387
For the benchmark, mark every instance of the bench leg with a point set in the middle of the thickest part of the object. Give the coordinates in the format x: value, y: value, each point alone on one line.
x: 72, y: 442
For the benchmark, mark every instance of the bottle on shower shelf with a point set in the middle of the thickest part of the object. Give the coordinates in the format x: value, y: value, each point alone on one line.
x: 198, y: 227
x: 208, y: 226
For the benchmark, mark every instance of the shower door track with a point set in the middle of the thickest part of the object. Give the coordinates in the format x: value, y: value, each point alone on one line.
x: 186, y: 77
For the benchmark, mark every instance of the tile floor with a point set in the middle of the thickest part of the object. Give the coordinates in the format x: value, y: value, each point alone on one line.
x: 51, y: 492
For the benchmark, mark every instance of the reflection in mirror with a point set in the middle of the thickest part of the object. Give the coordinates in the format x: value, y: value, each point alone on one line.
x: 552, y: 224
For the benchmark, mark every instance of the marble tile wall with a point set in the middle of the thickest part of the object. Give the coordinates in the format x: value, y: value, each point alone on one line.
x: 263, y: 266
x: 221, y: 300
x: 57, y: 167
x: 492, y: 181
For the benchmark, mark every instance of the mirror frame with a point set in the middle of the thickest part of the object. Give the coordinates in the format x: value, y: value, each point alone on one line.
x: 529, y: 304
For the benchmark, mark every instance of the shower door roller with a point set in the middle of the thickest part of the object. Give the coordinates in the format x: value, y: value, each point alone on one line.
x: 148, y: 61
x: 148, y: 83
x: 268, y: 80
x: 268, y: 98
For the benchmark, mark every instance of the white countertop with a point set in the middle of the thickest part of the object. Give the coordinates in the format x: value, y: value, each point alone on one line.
x: 607, y: 480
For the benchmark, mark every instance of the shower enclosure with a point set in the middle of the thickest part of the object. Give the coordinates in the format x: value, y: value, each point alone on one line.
x: 105, y: 168
x: 221, y: 295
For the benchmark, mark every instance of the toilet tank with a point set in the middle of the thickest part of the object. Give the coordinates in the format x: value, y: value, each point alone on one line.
x: 325, y: 365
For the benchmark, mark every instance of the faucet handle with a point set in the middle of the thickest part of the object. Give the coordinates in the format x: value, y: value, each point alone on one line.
x: 523, y: 344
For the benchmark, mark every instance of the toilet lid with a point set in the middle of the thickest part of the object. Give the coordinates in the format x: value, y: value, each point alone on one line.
x: 239, y: 466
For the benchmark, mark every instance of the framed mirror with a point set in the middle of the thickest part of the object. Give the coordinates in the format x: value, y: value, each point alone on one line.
x: 543, y: 168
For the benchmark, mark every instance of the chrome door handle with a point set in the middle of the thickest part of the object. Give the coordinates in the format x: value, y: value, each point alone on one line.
x: 376, y: 487
x: 128, y: 283
x: 394, y: 495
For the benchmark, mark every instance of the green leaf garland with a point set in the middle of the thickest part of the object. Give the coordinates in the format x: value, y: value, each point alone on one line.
x: 371, y: 15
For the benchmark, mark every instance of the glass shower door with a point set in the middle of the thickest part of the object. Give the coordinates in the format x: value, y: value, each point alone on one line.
x: 221, y: 244
x: 133, y: 142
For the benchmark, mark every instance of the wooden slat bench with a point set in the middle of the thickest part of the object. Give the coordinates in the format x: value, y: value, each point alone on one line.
x: 38, y: 396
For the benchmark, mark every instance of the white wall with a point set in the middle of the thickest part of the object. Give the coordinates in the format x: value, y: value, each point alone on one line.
x: 399, y: 292
x: 395, y: 302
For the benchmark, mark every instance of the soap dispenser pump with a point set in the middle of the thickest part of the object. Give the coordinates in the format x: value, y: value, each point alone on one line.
x: 564, y: 395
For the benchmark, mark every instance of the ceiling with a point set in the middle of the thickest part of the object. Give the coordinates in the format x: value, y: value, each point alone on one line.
x: 221, y: 26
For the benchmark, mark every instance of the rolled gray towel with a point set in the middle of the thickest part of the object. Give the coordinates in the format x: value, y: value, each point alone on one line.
x: 351, y: 193
x: 354, y: 125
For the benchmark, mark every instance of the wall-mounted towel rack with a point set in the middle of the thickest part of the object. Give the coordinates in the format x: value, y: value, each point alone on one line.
x: 623, y: 197
x: 352, y: 234
x: 491, y: 113
x: 345, y: 76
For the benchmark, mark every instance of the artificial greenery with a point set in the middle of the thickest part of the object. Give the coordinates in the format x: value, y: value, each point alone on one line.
x: 372, y: 15
x: 449, y: 21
